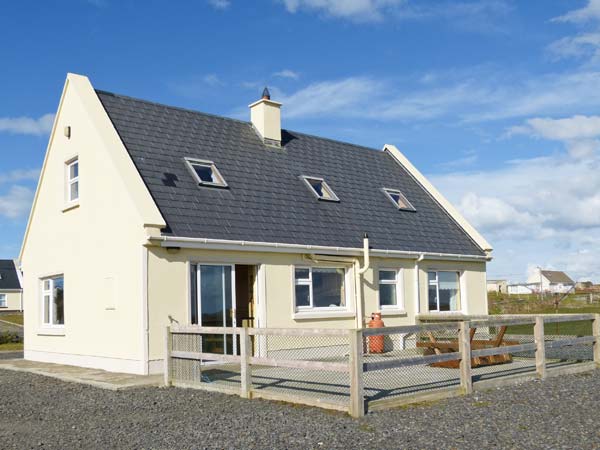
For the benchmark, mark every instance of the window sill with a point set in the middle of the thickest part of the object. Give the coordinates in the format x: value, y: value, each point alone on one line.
x: 302, y: 315
x: 393, y: 312
x: 70, y: 206
x: 58, y: 331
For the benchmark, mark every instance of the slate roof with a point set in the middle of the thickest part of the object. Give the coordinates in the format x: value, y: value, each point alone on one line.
x: 554, y: 276
x: 8, y: 275
x: 266, y: 201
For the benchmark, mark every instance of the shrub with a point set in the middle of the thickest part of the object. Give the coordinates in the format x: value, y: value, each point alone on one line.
x: 10, y: 338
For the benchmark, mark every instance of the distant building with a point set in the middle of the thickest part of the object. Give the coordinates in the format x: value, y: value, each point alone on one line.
x: 552, y: 281
x: 499, y: 286
x: 584, y: 285
x: 522, y: 288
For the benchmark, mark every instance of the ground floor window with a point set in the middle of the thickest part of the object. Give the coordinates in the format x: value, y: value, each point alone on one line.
x: 319, y: 287
x: 389, y: 289
x: 3, y: 301
x: 444, y: 291
x: 53, y: 300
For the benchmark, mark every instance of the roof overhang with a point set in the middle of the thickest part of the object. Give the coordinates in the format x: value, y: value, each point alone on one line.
x: 273, y: 247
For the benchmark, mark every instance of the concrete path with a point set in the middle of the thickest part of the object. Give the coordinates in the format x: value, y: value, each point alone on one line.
x: 93, y: 377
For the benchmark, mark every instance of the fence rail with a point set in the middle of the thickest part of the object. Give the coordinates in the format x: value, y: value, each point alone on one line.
x: 356, y: 370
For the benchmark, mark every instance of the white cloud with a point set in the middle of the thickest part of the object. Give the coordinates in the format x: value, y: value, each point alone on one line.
x: 220, y: 4
x: 16, y: 202
x: 357, y: 10
x: 591, y: 11
x: 286, y: 73
x: 579, y: 133
x: 27, y: 125
x: 20, y: 175
x: 488, y: 95
x: 581, y: 45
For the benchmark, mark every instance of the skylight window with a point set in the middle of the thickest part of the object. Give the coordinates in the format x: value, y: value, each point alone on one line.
x: 398, y: 199
x: 205, y: 172
x: 320, y: 189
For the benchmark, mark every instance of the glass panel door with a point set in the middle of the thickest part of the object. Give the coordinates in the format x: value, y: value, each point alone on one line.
x: 216, y: 306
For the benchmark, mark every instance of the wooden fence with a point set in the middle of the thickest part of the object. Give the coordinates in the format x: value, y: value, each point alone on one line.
x: 351, y: 363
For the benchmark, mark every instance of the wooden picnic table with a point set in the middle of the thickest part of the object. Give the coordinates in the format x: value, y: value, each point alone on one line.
x: 441, y: 345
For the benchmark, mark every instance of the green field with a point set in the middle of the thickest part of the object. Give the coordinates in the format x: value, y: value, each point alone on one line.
x: 13, y: 318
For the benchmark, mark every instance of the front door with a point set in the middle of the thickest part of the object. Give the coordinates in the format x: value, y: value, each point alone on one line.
x: 216, y: 306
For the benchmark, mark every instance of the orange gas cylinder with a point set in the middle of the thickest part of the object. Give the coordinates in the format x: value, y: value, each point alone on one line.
x: 376, y: 342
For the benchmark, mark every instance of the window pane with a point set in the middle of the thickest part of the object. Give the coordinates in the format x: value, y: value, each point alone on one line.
x: 211, y: 293
x: 302, y: 274
x: 74, y: 190
x: 3, y: 300
x: 74, y: 170
x: 58, y: 311
x: 228, y: 297
x: 46, y: 309
x: 387, y: 295
x: 432, y: 282
x: 302, y: 295
x: 328, y: 287
x: 317, y: 185
x: 448, y: 285
x: 387, y: 275
x: 46, y: 285
x: 194, y: 294
x: 205, y: 173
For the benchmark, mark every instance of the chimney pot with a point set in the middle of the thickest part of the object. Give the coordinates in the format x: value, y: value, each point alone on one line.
x: 266, y: 94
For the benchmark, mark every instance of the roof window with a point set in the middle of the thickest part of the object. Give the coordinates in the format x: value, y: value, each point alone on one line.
x: 398, y: 199
x: 320, y: 189
x: 205, y: 172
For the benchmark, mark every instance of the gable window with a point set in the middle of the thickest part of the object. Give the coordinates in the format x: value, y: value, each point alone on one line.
x: 73, y: 180
x: 205, y: 172
x: 398, y: 199
x: 319, y: 288
x: 320, y: 189
x: 444, y: 291
x: 3, y: 301
x: 390, y: 289
x: 53, y: 301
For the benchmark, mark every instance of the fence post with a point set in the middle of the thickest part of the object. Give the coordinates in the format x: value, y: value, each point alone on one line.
x: 464, y: 340
x: 540, y: 347
x: 245, y: 368
x: 596, y: 334
x: 167, y: 361
x: 357, y: 400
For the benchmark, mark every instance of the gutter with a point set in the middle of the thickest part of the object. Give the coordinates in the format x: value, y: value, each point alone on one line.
x: 224, y: 244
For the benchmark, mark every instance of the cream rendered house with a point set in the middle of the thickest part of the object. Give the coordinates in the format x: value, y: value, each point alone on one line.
x: 11, y: 294
x: 146, y: 215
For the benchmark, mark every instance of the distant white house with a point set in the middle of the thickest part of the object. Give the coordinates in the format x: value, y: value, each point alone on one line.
x: 522, y: 288
x: 552, y: 281
x: 499, y: 286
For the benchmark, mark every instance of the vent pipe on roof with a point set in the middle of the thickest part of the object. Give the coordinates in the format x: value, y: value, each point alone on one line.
x: 265, y: 115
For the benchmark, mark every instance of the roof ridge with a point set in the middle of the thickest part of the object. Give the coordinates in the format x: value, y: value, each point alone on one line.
x: 217, y: 116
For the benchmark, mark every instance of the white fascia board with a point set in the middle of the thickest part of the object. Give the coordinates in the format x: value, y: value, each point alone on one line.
x: 41, y: 176
x: 146, y: 206
x: 437, y: 196
x: 273, y: 247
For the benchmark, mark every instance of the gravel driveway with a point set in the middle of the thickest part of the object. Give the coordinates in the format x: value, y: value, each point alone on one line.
x: 39, y: 412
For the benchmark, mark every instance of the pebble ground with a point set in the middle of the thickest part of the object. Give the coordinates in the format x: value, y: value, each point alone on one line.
x: 39, y: 412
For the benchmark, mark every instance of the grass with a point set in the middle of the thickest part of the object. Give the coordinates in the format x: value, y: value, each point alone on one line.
x: 13, y: 318
x: 8, y: 347
x: 531, y: 304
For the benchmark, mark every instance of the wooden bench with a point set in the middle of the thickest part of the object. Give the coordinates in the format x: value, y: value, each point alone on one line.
x: 439, y: 346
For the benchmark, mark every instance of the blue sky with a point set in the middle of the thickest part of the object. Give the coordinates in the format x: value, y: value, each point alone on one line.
x: 496, y: 101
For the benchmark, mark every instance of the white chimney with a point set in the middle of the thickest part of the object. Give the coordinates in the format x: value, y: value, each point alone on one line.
x: 266, y: 119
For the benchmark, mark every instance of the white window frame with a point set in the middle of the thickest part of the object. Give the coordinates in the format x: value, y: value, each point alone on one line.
x: 71, y: 181
x: 437, y: 287
x: 191, y: 162
x: 399, y: 283
x: 49, y: 292
x: 309, y: 282
x: 388, y: 193
x: 326, y: 187
x: 3, y: 300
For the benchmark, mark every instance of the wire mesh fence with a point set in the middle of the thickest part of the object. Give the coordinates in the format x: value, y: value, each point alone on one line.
x: 348, y: 369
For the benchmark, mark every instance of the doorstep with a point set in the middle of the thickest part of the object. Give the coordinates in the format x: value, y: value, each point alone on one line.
x: 92, y: 377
